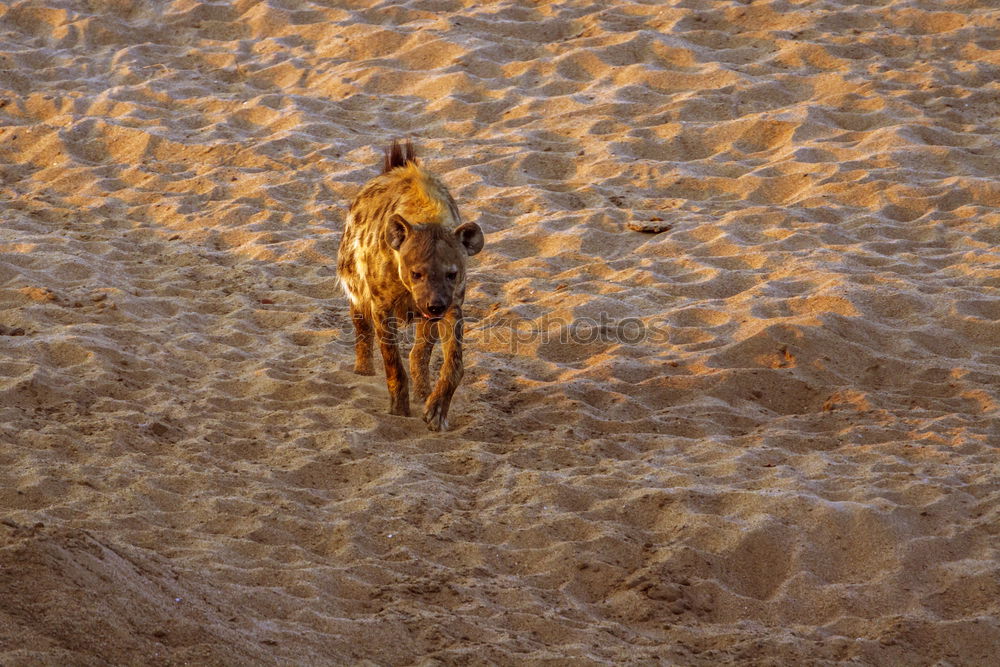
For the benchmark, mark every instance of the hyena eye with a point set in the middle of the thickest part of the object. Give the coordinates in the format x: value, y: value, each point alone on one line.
x: 415, y: 275
x: 452, y: 275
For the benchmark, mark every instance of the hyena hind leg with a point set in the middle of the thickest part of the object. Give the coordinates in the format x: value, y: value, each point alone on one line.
x: 364, y: 339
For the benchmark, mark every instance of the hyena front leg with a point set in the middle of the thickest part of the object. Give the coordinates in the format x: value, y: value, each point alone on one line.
x: 420, y: 357
x: 395, y: 374
x: 364, y: 336
x: 436, y: 407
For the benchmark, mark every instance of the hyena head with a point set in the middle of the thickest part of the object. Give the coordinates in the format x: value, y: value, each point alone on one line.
x: 431, y: 260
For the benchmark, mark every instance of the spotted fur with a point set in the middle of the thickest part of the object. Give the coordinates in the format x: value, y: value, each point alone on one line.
x: 403, y: 257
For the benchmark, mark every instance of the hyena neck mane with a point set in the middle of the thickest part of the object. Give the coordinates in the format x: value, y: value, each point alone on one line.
x: 420, y: 197
x: 399, y: 155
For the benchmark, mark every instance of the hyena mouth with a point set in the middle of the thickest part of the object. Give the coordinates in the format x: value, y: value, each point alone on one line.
x: 433, y: 313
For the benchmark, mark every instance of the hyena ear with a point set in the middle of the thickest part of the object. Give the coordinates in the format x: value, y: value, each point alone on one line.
x: 397, y: 231
x: 470, y: 236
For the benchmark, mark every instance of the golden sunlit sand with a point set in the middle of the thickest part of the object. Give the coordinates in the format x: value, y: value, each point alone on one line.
x: 733, y: 357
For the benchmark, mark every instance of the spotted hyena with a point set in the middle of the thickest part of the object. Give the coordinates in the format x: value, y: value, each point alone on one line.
x: 402, y: 258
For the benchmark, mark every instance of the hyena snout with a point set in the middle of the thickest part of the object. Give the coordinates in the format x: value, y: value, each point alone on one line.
x: 433, y: 303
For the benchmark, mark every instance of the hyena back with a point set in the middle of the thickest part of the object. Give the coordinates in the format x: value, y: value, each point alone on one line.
x: 402, y: 258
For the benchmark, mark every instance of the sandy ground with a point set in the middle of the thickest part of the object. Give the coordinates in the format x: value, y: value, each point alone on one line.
x: 766, y: 434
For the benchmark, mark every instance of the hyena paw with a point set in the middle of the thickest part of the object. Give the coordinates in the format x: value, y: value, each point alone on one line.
x: 364, y: 369
x: 400, y: 406
x: 435, y: 413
